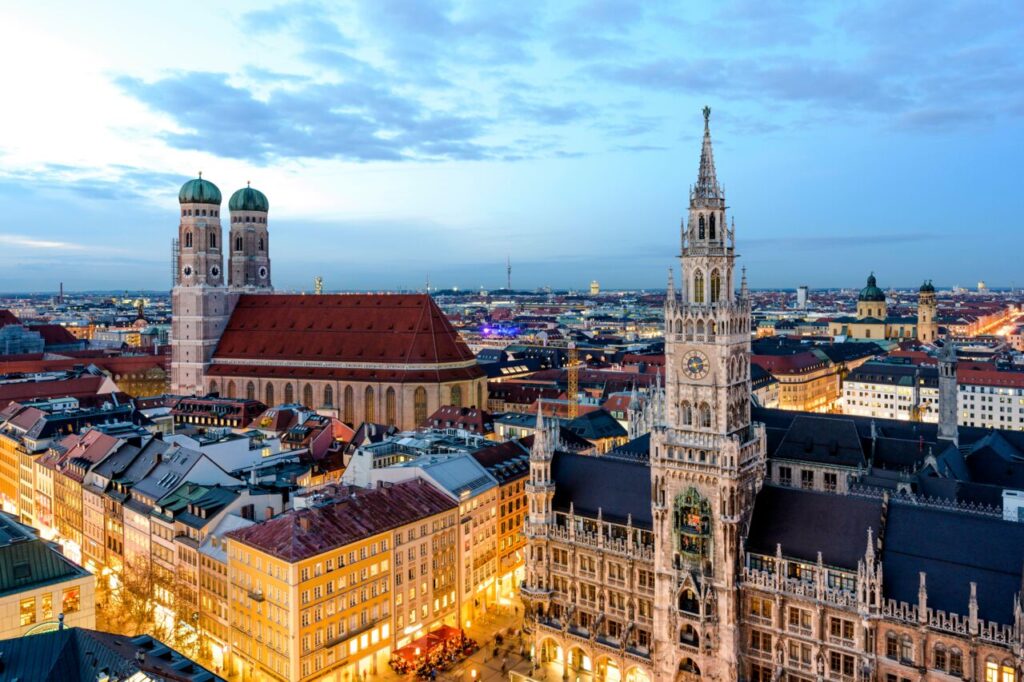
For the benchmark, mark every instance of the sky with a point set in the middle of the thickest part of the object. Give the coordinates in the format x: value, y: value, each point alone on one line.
x: 401, y: 140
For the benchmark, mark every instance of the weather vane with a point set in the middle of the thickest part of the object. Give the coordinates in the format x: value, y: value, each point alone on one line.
x: 707, y: 114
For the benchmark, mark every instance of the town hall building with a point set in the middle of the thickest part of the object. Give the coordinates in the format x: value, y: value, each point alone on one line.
x: 686, y: 561
x: 392, y: 359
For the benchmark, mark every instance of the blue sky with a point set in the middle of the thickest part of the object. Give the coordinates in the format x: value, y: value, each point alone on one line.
x: 398, y: 139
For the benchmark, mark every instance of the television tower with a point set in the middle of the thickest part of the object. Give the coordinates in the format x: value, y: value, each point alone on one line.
x: 508, y: 272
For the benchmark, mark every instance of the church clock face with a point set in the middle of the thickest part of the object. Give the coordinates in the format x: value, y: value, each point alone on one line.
x: 695, y: 364
x: 215, y: 271
x: 263, y: 272
x: 187, y: 271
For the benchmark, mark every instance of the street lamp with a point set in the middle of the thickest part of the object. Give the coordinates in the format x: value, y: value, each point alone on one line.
x: 472, y: 674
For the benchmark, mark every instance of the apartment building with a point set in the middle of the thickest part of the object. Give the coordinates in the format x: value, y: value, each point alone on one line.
x: 313, y: 592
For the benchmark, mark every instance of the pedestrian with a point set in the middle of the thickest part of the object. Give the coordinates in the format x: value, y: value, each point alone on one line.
x: 504, y: 665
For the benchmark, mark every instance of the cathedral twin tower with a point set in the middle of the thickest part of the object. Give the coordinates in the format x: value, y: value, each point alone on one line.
x: 201, y: 300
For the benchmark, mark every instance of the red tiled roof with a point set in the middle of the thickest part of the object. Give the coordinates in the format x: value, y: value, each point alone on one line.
x: 54, y: 334
x: 82, y: 388
x: 91, y: 446
x: 297, y: 535
x: 989, y: 377
x: 7, y: 317
x: 797, y: 363
x: 385, y: 329
x: 470, y: 419
x: 131, y: 364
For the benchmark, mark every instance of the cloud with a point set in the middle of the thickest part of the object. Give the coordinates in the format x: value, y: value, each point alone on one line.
x: 110, y: 183
x: 33, y: 243
x: 349, y: 121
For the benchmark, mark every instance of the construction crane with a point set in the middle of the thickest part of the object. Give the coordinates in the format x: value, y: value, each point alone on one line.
x: 573, y: 394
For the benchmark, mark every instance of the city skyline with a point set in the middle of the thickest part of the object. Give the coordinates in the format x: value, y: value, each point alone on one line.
x: 570, y: 129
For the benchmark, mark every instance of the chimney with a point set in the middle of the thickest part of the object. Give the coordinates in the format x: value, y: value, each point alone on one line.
x: 268, y: 513
x: 304, y: 523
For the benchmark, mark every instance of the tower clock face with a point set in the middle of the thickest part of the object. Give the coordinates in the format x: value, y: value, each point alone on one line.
x: 695, y: 364
x: 215, y: 271
x: 263, y: 272
x: 187, y: 271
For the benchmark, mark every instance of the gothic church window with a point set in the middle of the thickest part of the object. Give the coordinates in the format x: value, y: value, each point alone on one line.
x: 700, y: 231
x: 348, y: 405
x: 289, y: 394
x: 328, y: 396
x: 188, y: 240
x: 711, y: 227
x: 705, y: 416
x: 686, y: 413
x: 238, y: 243
x: 419, y: 405
x: 369, y: 413
x: 698, y: 287
x: 231, y: 389
x: 456, y: 398
x: 389, y: 406
x: 250, y: 391
x: 261, y: 244
x: 716, y: 286
x: 213, y: 240
x: 307, y: 396
x: 270, y: 395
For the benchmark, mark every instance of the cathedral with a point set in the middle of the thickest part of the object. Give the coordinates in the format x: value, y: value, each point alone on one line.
x: 690, y: 563
x: 383, y: 358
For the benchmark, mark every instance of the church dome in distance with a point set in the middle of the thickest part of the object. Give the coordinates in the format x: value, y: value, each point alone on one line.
x: 927, y: 287
x: 199, y: 191
x: 248, y: 199
x: 871, y: 292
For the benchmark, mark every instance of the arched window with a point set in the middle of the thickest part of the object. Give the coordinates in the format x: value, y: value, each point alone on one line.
x: 238, y: 243
x: 270, y: 395
x: 307, y: 396
x: 348, y: 405
x: 389, y: 406
x: 716, y: 286
x: 204, y: 211
x: 289, y: 394
x: 213, y: 240
x: 906, y: 649
x: 700, y: 223
x: 480, y: 396
x: 419, y: 406
x: 711, y: 227
x: 705, y: 416
x: 250, y: 391
x: 688, y: 601
x: 700, y: 329
x: 369, y: 414
x: 456, y: 396
x: 261, y: 243
x: 956, y: 662
x: 213, y: 387
x: 688, y: 636
x: 679, y: 326
x: 939, y: 661
x: 231, y: 389
x: 689, y: 330
x: 188, y: 240
x: 686, y: 413
x: 328, y: 396
x: 698, y: 287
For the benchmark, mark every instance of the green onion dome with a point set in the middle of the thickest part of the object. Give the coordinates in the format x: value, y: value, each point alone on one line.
x: 927, y: 287
x: 199, y: 191
x: 249, y: 199
x: 871, y: 292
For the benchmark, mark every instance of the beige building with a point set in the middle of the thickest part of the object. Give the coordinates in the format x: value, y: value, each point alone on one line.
x: 39, y: 588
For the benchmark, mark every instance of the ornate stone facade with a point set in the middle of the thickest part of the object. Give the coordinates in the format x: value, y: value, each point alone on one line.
x: 690, y: 566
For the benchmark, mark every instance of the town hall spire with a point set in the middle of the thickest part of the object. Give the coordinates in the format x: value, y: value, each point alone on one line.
x: 707, y: 187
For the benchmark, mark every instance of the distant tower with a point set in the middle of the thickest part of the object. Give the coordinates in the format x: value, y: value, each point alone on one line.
x: 199, y: 300
x: 249, y: 257
x: 948, y: 395
x: 508, y: 272
x: 318, y: 285
x: 927, y: 327
x: 871, y: 301
x: 801, y: 297
x: 595, y: 287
